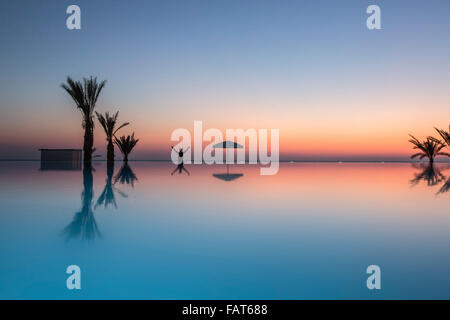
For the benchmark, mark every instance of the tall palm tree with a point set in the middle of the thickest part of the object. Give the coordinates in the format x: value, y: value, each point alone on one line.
x: 430, y: 148
x: 126, y: 145
x: 445, y: 135
x: 108, y: 123
x: 85, y: 96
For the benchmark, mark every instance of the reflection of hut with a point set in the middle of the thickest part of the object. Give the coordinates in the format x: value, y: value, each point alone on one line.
x: 60, y: 159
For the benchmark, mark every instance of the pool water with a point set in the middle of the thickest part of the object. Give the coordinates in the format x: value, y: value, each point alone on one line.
x: 150, y: 230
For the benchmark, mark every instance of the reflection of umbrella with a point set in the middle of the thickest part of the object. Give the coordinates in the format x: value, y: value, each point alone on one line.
x: 227, y: 145
x: 227, y: 176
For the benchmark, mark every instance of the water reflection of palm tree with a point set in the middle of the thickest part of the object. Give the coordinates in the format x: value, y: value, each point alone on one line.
x: 107, y: 197
x: 180, y: 168
x: 83, y: 224
x: 125, y: 175
x: 446, y: 187
x: 429, y: 173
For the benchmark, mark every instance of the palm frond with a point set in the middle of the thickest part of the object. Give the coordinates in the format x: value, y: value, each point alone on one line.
x: 417, y: 155
x: 126, y: 144
x: 430, y: 174
x: 125, y: 176
x: 108, y: 122
x: 445, y: 135
x: 85, y: 95
x: 445, y: 187
x: 429, y: 148
x: 121, y: 126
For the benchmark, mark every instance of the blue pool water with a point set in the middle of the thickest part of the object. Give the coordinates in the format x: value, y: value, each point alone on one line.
x: 309, y: 232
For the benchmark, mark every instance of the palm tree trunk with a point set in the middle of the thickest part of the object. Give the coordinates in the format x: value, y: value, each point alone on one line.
x: 109, y: 171
x: 88, y: 140
x: 125, y: 158
x: 88, y: 184
x: 110, y: 151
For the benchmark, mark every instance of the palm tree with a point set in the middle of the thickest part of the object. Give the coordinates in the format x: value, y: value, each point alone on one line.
x: 85, y: 96
x: 126, y: 176
x: 108, y: 123
x: 107, y: 197
x: 84, y: 225
x: 429, y: 173
x: 126, y: 145
x: 445, y: 187
x: 429, y: 148
x: 445, y: 135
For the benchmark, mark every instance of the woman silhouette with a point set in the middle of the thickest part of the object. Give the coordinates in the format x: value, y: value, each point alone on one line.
x: 180, y: 168
x: 180, y: 153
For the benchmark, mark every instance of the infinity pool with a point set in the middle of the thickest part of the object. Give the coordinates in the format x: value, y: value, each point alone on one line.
x: 151, y: 231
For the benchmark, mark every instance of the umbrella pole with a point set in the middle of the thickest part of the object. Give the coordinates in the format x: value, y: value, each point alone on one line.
x: 227, y: 168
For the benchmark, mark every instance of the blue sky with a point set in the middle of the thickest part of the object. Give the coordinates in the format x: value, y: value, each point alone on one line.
x: 277, y: 64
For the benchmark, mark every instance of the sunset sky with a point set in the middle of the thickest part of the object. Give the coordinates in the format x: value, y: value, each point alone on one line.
x: 311, y: 69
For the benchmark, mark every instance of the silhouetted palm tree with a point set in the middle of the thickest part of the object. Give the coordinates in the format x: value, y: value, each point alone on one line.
x: 126, y: 145
x: 85, y: 96
x: 429, y: 173
x: 125, y: 175
x: 445, y: 135
x: 429, y: 148
x: 108, y: 123
x: 107, y: 197
x: 445, y: 187
x: 83, y: 224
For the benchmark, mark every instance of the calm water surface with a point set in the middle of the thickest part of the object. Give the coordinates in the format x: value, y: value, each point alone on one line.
x: 308, y: 232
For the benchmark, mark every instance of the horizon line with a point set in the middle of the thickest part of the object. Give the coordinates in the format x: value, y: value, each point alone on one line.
x: 279, y: 161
